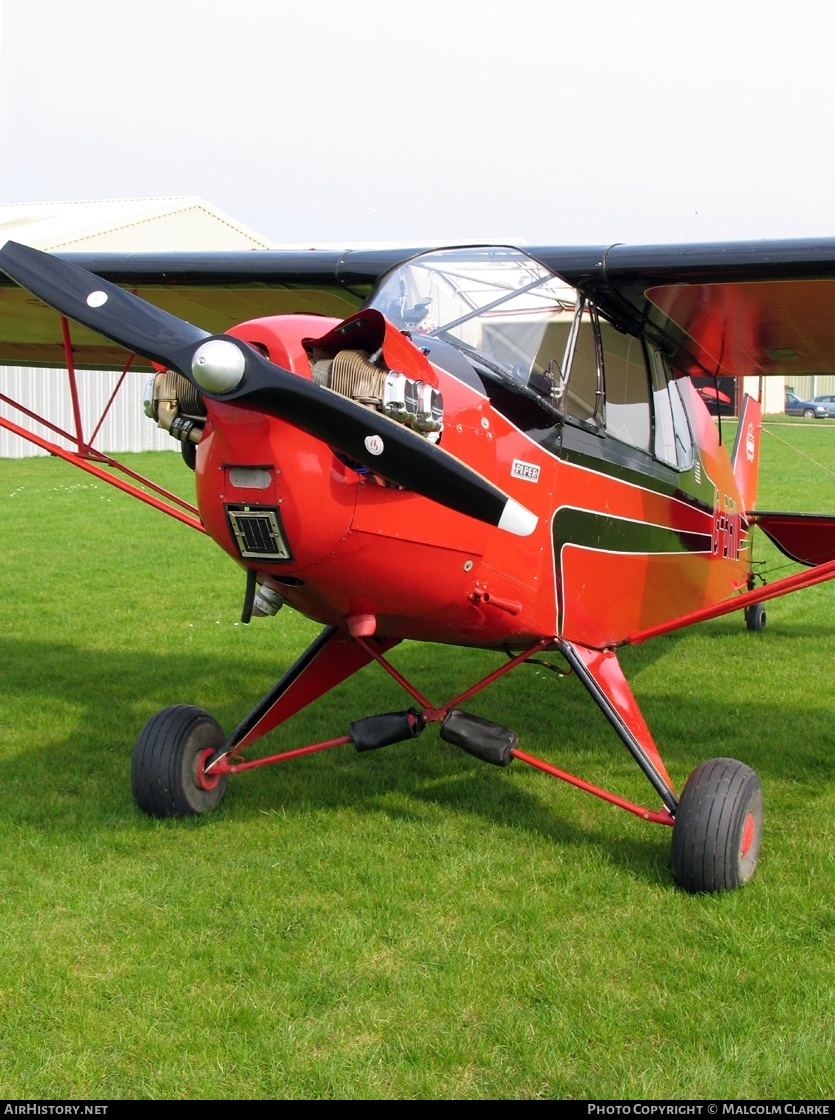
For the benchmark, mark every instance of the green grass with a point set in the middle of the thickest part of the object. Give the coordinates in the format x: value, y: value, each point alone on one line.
x: 407, y: 923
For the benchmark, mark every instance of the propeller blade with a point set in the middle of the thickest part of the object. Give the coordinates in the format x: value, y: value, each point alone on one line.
x: 226, y: 369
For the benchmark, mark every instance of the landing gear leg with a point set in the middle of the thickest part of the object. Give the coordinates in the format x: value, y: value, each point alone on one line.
x: 718, y: 820
x: 180, y: 763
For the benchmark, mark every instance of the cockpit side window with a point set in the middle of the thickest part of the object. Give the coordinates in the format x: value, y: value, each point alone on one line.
x: 684, y: 438
x: 642, y: 404
x: 628, y: 411
x: 665, y: 430
x: 673, y: 440
x: 580, y: 396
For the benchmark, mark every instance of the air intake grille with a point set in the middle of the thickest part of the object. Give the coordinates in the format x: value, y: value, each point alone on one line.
x: 258, y: 532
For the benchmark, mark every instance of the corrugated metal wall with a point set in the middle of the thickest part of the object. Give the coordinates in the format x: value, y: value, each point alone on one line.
x: 807, y: 386
x: 46, y: 392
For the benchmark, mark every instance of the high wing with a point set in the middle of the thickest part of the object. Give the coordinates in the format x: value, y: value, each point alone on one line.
x: 723, y: 309
x: 213, y: 290
x: 726, y: 309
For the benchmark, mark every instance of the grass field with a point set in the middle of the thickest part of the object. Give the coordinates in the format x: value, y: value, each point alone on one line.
x: 409, y: 923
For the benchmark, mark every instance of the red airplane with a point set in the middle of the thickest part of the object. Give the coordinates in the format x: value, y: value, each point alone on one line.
x: 472, y: 446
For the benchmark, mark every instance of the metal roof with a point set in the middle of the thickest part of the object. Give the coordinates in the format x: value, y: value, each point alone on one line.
x: 179, y: 223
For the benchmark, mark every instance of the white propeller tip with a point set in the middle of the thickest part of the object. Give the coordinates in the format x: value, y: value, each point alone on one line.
x: 517, y: 520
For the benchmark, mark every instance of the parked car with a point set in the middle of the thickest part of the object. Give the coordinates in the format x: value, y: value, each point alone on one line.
x: 810, y: 409
x: 826, y: 399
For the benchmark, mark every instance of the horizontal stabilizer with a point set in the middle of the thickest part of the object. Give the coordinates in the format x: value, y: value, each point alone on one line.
x: 808, y: 538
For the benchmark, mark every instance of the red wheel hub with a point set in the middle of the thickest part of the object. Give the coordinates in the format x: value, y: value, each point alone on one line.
x: 747, y: 836
x: 204, y: 780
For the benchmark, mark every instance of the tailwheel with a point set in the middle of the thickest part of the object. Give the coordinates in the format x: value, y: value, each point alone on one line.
x: 718, y: 827
x: 167, y: 772
x: 755, y: 616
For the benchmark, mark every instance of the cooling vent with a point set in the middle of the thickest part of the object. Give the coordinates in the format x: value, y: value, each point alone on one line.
x: 258, y: 532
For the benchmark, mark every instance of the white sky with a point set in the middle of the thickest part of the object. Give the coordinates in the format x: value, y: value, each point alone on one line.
x: 548, y: 121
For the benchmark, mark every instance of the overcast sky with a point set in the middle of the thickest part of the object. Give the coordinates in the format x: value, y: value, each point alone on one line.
x: 541, y: 120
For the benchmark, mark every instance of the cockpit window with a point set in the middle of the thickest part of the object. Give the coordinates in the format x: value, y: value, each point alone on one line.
x: 539, y: 348
x: 628, y: 410
x: 581, y: 393
x: 508, y: 314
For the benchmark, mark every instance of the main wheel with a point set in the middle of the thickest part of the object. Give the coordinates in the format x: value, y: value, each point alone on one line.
x: 167, y: 770
x: 755, y: 616
x: 718, y: 827
x: 809, y: 413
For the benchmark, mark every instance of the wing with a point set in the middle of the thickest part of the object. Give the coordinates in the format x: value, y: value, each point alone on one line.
x: 723, y: 309
x: 726, y: 309
x: 212, y: 290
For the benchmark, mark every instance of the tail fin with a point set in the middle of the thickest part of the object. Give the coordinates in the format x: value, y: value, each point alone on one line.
x: 746, y: 455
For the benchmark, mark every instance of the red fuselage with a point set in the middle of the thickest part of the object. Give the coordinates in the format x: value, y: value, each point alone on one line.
x: 621, y: 544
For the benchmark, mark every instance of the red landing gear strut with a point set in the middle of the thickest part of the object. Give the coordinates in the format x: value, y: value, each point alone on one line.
x: 181, y: 763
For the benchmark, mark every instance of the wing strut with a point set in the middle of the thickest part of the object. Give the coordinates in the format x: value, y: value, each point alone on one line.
x: 819, y: 574
x: 91, y: 460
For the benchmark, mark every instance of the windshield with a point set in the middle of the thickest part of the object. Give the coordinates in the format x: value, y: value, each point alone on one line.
x: 495, y: 304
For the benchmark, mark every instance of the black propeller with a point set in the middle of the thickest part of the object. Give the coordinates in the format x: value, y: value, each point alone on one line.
x: 225, y: 369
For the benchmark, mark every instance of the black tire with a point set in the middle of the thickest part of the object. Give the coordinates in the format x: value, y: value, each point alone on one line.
x: 809, y: 413
x: 755, y: 617
x: 167, y: 761
x: 718, y: 827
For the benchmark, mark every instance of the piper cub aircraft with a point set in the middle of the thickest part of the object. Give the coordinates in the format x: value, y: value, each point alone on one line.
x: 475, y: 446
